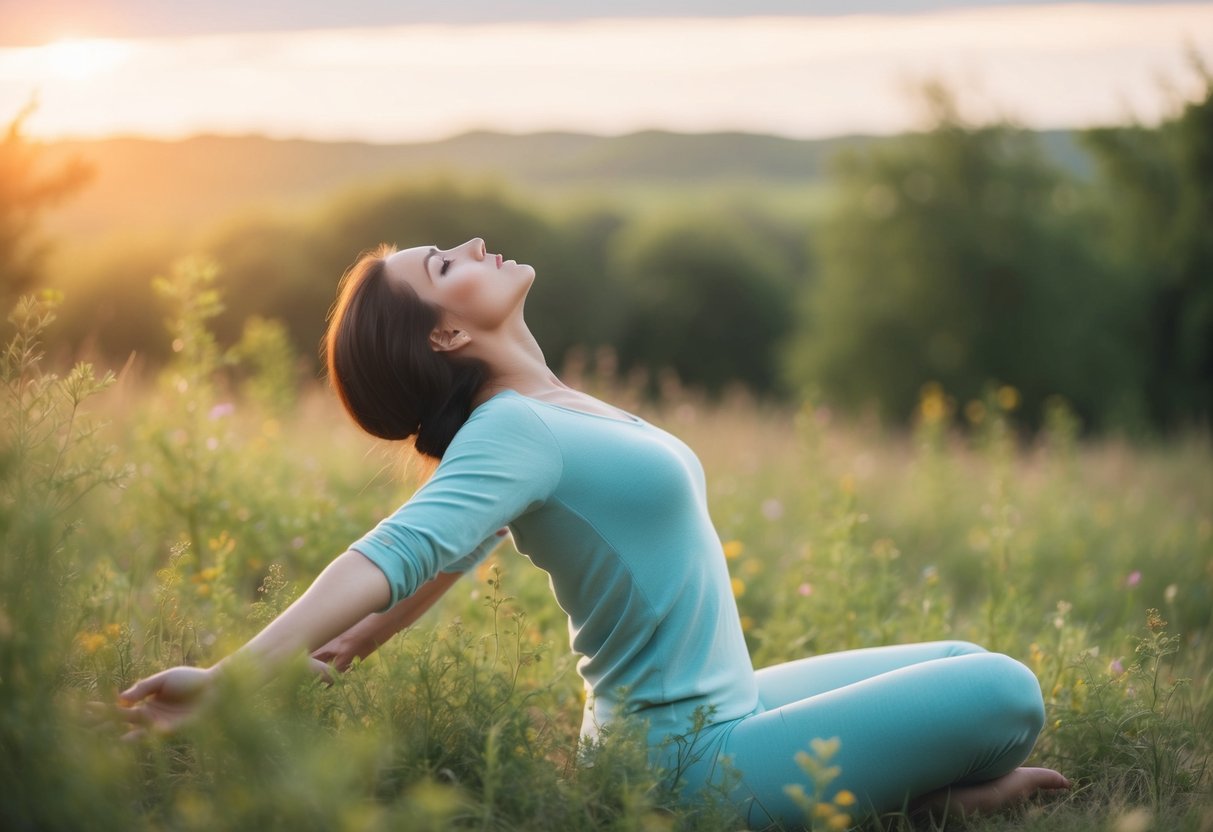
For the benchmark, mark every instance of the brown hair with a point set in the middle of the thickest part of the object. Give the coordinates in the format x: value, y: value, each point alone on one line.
x: 380, y: 362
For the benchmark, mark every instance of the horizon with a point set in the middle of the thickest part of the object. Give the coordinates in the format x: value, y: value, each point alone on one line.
x: 806, y: 77
x: 66, y: 140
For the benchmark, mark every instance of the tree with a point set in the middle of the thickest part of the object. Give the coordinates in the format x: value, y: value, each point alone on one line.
x: 960, y: 256
x: 1159, y: 194
x: 709, y: 300
x: 24, y: 193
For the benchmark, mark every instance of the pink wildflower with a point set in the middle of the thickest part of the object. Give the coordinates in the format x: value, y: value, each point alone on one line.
x: 1133, y: 580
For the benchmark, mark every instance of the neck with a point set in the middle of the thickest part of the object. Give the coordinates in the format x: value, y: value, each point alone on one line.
x: 516, y: 363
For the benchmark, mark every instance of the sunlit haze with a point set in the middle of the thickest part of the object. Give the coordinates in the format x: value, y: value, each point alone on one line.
x: 1043, y: 66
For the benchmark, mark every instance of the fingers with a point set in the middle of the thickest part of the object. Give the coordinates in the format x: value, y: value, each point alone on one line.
x: 142, y: 688
x: 103, y: 717
x: 334, y: 659
x: 324, y: 671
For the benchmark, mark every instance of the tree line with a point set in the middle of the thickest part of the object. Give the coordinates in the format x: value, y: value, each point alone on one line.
x: 957, y: 257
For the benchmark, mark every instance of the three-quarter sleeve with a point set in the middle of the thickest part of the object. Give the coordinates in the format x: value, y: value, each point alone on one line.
x: 502, y: 463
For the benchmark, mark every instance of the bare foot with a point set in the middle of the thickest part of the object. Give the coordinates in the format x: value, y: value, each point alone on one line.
x: 992, y: 794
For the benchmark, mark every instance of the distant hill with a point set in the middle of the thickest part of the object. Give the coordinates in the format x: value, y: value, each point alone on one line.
x: 181, y: 186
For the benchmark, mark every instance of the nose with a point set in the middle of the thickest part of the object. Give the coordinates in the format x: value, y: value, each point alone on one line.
x: 476, y: 248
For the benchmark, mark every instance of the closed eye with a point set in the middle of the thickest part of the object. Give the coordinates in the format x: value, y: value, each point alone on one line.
x: 445, y: 265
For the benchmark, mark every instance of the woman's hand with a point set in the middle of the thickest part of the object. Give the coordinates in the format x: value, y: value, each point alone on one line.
x: 165, y: 701
x: 341, y: 651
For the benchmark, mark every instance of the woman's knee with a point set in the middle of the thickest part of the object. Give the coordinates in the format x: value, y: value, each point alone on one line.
x: 1014, y: 692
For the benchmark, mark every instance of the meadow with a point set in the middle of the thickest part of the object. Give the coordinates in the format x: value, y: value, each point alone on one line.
x: 153, y: 518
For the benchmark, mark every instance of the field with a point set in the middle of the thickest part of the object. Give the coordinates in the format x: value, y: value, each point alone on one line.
x: 161, y: 518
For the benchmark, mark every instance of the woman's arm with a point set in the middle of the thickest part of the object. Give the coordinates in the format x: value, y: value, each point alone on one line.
x: 376, y: 629
x: 349, y: 588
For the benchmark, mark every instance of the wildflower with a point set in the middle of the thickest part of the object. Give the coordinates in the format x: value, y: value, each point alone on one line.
x: 1116, y: 668
x: 844, y: 798
x: 220, y: 410
x: 1063, y: 609
x: 1008, y: 397
x: 747, y: 623
x: 805, y: 589
x: 975, y: 412
x: 733, y: 549
x: 206, y: 575
x: 738, y: 587
x: 824, y: 811
x: 839, y: 822
x: 932, y: 404
x: 772, y: 509
x: 1171, y: 591
x: 1133, y: 579
x: 825, y: 749
x: 91, y: 642
x: 1154, y: 621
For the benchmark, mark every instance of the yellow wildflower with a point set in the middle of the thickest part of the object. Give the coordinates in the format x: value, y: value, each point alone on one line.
x: 1008, y: 397
x: 733, y: 549
x: 91, y: 642
x: 206, y: 575
x: 824, y: 810
x: 825, y: 749
x: 932, y: 404
x: 844, y: 798
x: 738, y: 587
x: 839, y: 822
x: 485, y: 569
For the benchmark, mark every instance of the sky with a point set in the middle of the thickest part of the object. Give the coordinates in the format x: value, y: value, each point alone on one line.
x: 397, y: 71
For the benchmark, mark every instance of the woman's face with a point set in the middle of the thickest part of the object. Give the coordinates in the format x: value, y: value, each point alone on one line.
x: 477, y: 290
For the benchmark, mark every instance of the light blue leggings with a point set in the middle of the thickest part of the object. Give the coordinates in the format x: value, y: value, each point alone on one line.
x: 910, y: 719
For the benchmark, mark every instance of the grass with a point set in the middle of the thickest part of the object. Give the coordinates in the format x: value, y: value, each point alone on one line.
x: 189, y: 508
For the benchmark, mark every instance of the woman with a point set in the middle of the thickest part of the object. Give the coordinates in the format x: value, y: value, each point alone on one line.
x: 431, y: 344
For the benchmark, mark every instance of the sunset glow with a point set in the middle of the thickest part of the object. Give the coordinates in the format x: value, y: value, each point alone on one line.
x: 1045, y: 66
x: 78, y: 59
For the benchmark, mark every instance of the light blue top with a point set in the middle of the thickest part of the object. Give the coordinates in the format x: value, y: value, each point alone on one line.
x: 615, y: 511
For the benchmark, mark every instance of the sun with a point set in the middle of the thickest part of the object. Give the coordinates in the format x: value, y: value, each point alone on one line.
x: 82, y: 58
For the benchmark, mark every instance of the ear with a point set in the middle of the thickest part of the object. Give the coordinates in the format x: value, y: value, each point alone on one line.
x: 446, y: 339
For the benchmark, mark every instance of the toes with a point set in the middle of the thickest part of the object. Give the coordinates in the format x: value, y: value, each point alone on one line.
x: 1046, y: 778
